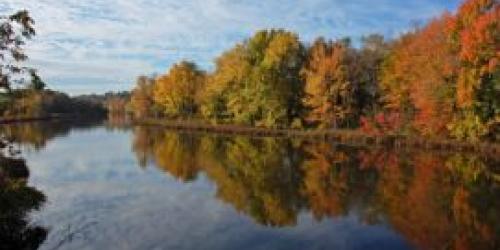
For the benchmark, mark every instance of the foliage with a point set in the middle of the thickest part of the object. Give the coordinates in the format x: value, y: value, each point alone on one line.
x: 382, y: 124
x: 468, y: 126
x: 114, y: 103
x: 366, y: 72
x: 177, y: 91
x: 42, y: 103
x: 444, y: 77
x: 28, y: 99
x: 37, y: 83
x: 418, y: 78
x: 475, y: 33
x: 440, y: 79
x: 141, y: 98
x: 257, y: 82
x: 224, y: 85
x: 329, y: 89
x: 15, y: 30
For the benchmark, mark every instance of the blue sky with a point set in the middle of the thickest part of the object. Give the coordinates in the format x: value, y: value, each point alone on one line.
x: 87, y: 46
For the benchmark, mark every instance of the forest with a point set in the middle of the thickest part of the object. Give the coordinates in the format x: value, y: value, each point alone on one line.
x: 441, y: 80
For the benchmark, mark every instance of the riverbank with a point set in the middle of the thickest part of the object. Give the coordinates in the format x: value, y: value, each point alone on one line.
x: 18, y: 119
x: 50, y: 117
x: 344, y: 136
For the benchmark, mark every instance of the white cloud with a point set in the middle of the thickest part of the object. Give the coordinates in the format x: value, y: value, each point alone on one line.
x: 107, y: 43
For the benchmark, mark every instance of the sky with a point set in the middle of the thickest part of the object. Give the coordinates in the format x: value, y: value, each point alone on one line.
x: 94, y: 46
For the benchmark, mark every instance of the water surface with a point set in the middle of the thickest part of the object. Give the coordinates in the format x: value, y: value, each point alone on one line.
x: 114, y: 187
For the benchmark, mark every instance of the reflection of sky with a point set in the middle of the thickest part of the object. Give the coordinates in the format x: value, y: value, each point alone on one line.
x: 99, y: 198
x: 98, y: 45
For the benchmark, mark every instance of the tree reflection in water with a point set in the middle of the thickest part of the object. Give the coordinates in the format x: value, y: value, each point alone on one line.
x: 16, y: 201
x: 436, y: 201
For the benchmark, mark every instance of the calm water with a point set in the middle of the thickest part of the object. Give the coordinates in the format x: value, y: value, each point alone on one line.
x: 112, y: 187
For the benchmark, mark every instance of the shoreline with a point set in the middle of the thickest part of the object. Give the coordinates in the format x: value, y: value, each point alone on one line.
x: 339, y: 136
x: 12, y: 120
x: 51, y: 117
x: 342, y: 136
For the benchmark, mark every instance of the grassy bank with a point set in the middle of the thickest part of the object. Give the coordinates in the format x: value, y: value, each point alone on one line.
x: 351, y: 137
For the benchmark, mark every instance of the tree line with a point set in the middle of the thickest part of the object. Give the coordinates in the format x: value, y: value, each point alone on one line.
x: 441, y: 79
x: 29, y: 103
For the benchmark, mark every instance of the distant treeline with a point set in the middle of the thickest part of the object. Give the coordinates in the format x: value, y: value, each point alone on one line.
x: 114, y: 102
x: 442, y: 79
x: 41, y: 103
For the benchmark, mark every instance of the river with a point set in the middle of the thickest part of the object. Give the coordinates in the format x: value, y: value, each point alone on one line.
x: 111, y: 186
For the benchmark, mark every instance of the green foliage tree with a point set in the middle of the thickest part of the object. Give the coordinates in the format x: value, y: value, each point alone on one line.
x: 258, y: 82
x: 15, y: 30
x: 366, y: 71
x: 224, y: 85
x: 37, y: 83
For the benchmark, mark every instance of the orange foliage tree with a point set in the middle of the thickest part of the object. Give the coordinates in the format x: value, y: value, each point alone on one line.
x: 475, y: 34
x: 329, y: 91
x: 418, y: 78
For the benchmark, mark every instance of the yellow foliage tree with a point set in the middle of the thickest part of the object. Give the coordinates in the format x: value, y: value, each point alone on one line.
x: 329, y: 91
x: 141, y: 99
x: 177, y: 92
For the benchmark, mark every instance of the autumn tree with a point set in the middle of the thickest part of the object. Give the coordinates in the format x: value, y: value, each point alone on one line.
x: 116, y: 106
x: 224, y: 85
x: 418, y: 78
x: 475, y: 34
x: 141, y: 99
x: 445, y: 75
x: 177, y: 92
x: 257, y: 82
x: 280, y: 86
x: 329, y: 87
